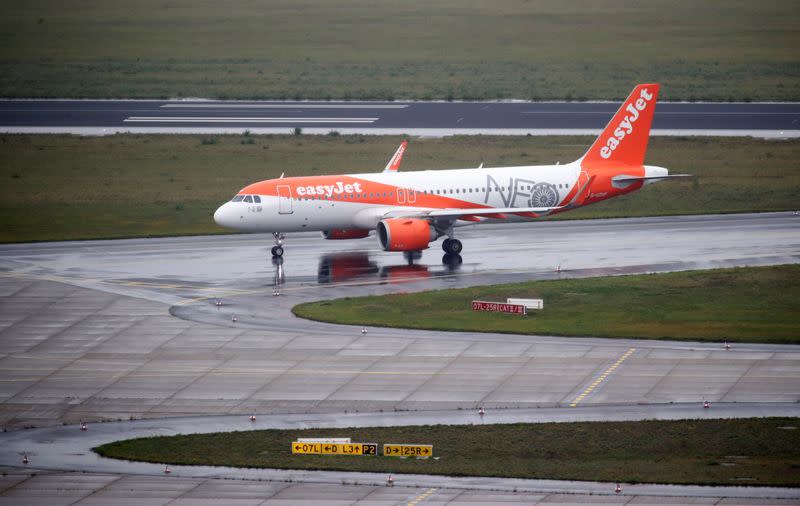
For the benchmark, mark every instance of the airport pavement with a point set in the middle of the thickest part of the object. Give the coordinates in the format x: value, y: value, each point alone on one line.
x: 88, y: 334
x: 29, y: 486
x: 100, y: 117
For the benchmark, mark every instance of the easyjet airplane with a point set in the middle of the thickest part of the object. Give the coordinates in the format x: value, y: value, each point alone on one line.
x: 409, y: 210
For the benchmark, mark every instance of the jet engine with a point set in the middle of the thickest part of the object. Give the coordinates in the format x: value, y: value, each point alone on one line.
x: 405, y: 234
x: 345, y: 233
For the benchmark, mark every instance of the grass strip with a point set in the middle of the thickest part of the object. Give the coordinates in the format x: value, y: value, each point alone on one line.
x: 417, y: 49
x: 752, y: 451
x: 58, y: 187
x: 757, y: 304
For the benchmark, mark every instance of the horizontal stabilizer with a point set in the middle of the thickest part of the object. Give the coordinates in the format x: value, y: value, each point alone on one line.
x: 633, y: 179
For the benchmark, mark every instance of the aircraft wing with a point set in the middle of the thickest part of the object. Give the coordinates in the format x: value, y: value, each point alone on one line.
x: 471, y: 214
x: 394, y: 161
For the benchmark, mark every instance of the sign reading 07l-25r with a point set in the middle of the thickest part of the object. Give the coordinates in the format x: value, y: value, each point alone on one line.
x: 404, y: 450
x: 335, y: 448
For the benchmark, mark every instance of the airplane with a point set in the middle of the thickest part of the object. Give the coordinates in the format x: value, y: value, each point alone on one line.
x: 410, y: 210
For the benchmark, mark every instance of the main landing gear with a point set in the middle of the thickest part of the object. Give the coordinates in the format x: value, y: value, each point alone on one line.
x: 277, y: 250
x: 452, y: 246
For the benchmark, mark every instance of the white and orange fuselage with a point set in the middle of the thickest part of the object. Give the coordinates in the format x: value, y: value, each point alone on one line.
x: 411, y: 209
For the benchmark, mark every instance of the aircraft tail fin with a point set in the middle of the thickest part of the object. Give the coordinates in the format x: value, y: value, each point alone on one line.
x: 624, y: 140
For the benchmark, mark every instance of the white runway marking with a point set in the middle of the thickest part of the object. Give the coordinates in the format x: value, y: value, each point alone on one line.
x: 197, y: 119
x: 285, y: 106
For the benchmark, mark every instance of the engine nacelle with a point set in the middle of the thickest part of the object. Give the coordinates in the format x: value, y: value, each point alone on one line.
x: 345, y: 233
x: 405, y: 234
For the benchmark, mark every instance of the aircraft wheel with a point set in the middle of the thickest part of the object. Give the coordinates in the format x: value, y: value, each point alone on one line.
x: 454, y: 247
x: 277, y: 251
x: 445, y: 245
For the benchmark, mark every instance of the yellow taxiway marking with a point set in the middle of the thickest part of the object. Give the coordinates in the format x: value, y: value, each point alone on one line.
x: 602, y: 377
x: 421, y: 497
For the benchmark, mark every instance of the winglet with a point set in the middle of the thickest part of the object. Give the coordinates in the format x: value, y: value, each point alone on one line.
x: 394, y: 161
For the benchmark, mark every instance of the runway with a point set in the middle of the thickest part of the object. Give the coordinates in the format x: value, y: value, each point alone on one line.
x: 88, y: 335
x: 99, y: 117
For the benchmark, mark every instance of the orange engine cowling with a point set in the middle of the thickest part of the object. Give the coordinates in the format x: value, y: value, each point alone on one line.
x: 345, y: 233
x: 405, y: 234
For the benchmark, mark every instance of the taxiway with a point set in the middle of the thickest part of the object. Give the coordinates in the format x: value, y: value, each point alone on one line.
x: 88, y: 335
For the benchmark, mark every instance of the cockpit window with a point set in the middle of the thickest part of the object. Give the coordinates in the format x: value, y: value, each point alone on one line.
x: 256, y: 199
x: 237, y: 198
x: 248, y: 198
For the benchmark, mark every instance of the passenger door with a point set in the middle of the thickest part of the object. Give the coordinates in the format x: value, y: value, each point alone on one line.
x: 284, y: 199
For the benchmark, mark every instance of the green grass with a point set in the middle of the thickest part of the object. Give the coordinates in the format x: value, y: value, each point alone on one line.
x: 287, y: 49
x: 742, y: 304
x: 754, y: 451
x: 55, y: 187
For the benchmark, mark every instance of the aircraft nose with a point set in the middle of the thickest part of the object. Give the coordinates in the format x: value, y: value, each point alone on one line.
x: 222, y: 216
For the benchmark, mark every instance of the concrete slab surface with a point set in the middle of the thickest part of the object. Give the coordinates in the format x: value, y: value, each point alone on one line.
x: 127, y: 330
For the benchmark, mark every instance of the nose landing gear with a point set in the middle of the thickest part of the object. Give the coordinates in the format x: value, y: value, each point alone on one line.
x: 277, y: 250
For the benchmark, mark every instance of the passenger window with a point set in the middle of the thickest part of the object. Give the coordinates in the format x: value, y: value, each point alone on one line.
x: 237, y: 198
x: 256, y: 199
x: 248, y: 199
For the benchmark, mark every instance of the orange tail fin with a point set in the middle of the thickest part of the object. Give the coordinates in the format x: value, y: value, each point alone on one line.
x: 624, y: 140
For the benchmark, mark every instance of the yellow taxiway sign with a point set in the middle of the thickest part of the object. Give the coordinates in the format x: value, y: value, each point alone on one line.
x: 406, y: 450
x: 335, y: 448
